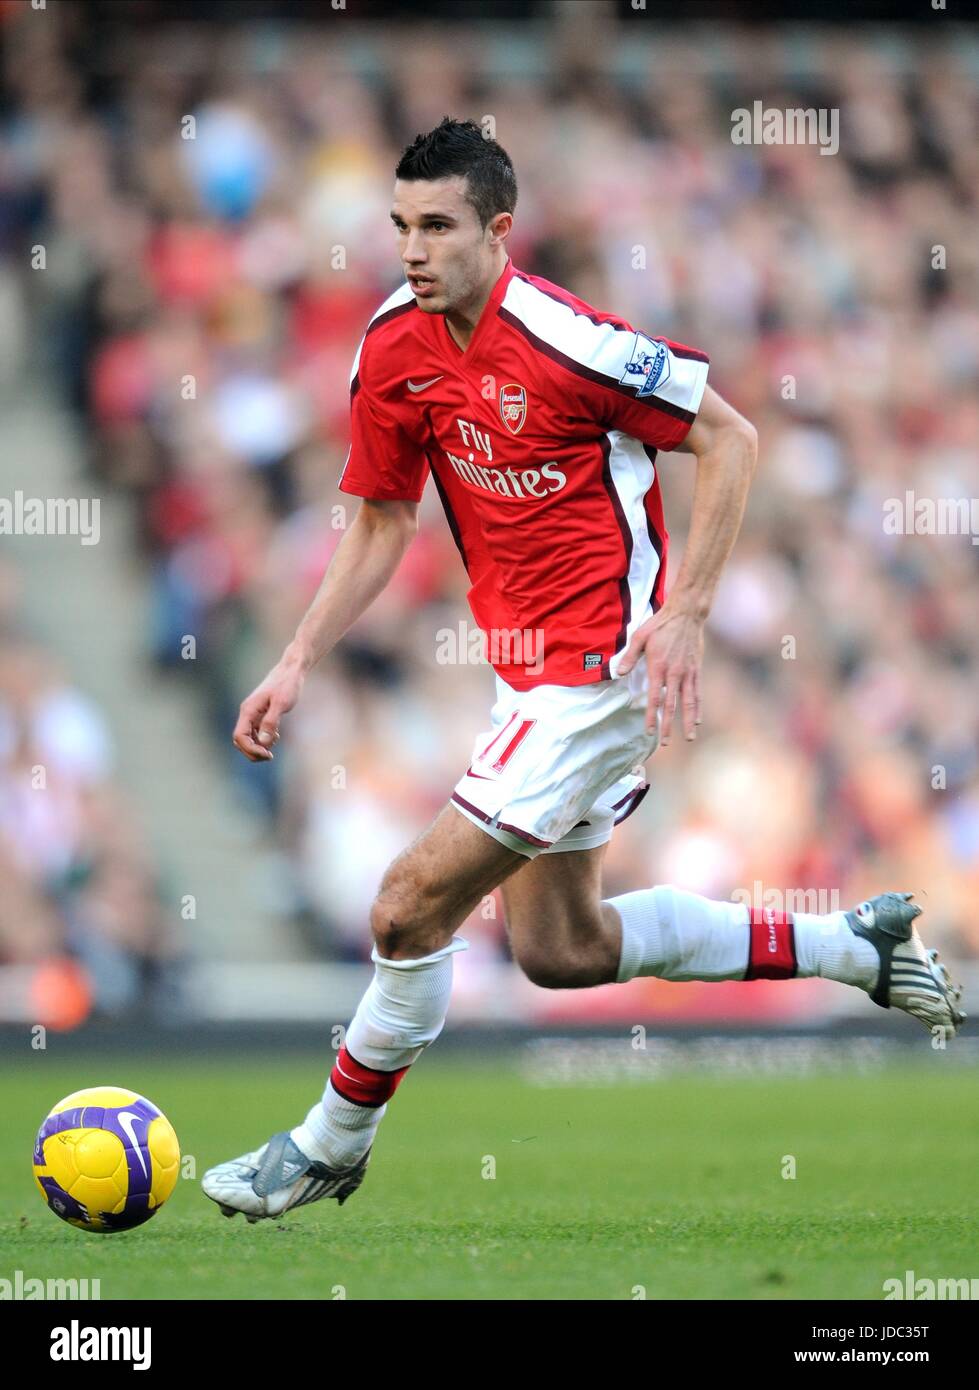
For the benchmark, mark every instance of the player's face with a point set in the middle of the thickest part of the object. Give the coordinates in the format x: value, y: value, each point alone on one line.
x: 448, y: 257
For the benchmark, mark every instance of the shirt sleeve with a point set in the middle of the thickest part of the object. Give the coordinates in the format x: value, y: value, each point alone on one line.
x: 383, y: 464
x: 650, y: 388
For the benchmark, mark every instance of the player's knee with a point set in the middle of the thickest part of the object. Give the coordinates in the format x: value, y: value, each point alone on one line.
x: 394, y: 924
x: 405, y: 923
x: 552, y: 968
x: 541, y: 971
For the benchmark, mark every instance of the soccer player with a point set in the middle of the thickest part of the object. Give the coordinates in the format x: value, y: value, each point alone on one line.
x: 539, y: 419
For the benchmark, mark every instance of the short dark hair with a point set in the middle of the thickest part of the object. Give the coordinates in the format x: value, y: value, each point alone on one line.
x: 459, y: 147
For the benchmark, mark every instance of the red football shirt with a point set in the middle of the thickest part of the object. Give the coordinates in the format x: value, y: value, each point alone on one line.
x: 542, y: 440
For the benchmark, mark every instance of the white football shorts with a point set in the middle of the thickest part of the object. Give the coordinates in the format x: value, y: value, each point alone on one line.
x: 561, y: 765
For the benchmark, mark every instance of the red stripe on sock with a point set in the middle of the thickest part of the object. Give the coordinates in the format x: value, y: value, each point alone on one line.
x: 363, y: 1085
x: 772, y: 952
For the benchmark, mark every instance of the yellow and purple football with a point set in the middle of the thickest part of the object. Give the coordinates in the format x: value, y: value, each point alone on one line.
x: 106, y: 1159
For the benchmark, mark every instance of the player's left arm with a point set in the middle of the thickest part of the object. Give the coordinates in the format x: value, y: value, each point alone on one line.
x: 672, y: 641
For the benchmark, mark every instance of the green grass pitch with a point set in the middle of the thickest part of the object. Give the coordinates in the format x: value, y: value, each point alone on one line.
x: 673, y: 1187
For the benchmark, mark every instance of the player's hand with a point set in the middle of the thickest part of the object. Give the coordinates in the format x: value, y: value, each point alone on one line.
x: 672, y: 644
x: 257, y: 730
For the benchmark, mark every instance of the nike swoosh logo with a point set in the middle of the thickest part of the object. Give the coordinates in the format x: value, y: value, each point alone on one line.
x: 127, y: 1120
x: 422, y: 385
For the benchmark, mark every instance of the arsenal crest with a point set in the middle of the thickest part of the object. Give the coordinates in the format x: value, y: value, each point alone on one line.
x: 513, y: 406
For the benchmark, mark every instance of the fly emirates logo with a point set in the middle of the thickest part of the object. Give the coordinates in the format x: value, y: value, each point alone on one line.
x: 520, y: 484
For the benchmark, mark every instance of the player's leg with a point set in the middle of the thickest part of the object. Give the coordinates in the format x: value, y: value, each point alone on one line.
x: 565, y: 936
x: 678, y: 935
x: 427, y: 892
x: 561, y: 933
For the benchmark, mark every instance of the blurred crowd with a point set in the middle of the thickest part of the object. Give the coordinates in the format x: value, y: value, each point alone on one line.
x: 214, y: 206
x: 80, y: 885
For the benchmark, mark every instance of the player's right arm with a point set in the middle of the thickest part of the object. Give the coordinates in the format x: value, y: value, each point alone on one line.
x: 363, y: 564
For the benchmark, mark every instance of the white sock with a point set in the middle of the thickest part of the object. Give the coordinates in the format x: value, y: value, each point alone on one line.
x: 827, y: 946
x: 402, y: 1012
x: 678, y: 935
x: 337, y: 1132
